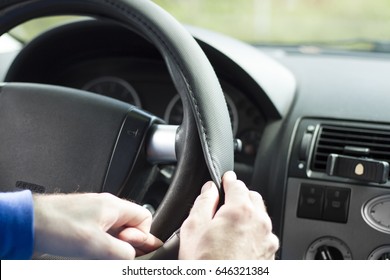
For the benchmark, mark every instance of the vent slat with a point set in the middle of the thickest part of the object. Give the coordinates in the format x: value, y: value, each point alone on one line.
x: 355, y: 130
x: 360, y: 138
x: 334, y: 139
x: 346, y: 142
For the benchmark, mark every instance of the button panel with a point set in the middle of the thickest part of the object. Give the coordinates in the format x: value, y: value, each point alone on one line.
x: 311, y: 202
x: 323, y: 203
x: 336, y: 205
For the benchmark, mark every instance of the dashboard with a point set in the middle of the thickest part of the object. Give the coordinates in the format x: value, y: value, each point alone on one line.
x: 311, y: 125
x: 329, y: 209
x: 112, y: 61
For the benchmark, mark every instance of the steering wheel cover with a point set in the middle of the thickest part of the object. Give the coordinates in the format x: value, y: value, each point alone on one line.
x: 191, y: 72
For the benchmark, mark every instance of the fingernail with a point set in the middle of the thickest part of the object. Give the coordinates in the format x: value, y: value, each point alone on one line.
x: 206, y: 187
x: 230, y: 176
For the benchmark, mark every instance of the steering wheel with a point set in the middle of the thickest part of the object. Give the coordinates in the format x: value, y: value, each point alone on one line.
x: 57, y: 139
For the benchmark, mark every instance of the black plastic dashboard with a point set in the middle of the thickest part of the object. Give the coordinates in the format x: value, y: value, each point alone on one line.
x: 279, y: 102
x: 322, y: 216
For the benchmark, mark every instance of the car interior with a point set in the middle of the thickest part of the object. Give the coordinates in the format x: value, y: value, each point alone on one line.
x: 307, y: 128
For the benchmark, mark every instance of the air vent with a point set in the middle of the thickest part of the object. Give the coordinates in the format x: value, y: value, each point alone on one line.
x: 351, y: 141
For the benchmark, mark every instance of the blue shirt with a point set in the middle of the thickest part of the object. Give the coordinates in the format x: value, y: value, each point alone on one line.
x: 16, y: 225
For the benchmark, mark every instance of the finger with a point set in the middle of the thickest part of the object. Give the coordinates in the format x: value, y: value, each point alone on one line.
x: 272, y: 248
x: 108, y: 247
x: 142, y: 243
x: 133, y: 236
x: 121, y: 250
x: 152, y: 243
x: 130, y: 214
x: 206, y: 203
x: 257, y: 200
x: 235, y: 190
x: 229, y: 176
x: 139, y: 239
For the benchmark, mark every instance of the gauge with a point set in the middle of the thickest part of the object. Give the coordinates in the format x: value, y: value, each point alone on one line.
x: 174, y: 112
x: 114, y: 87
x: 376, y: 213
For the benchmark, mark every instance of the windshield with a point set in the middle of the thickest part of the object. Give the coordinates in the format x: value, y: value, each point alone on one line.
x: 347, y: 24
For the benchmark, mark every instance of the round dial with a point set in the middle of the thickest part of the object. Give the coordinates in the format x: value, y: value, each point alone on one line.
x: 174, y: 112
x: 328, y: 248
x: 381, y: 253
x: 376, y: 213
x: 114, y: 87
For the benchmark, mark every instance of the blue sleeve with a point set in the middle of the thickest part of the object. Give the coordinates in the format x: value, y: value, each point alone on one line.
x: 16, y: 225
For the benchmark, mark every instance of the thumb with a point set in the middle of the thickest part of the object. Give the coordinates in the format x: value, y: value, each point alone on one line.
x: 206, y: 203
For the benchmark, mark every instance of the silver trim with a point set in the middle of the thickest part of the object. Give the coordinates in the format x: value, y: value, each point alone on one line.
x: 375, y: 213
x: 378, y: 252
x: 161, y: 146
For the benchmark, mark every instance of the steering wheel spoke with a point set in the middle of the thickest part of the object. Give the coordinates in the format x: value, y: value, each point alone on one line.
x: 128, y: 158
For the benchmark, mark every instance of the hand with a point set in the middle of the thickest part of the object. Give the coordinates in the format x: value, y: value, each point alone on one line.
x: 240, y: 229
x: 92, y: 226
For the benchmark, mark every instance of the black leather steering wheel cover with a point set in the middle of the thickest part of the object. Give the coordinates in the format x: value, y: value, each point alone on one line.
x: 191, y: 72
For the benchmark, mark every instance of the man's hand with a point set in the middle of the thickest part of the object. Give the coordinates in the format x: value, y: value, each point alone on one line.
x: 240, y: 229
x: 92, y: 226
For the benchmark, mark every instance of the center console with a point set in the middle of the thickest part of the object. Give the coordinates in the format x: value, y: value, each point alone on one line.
x: 338, y: 193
